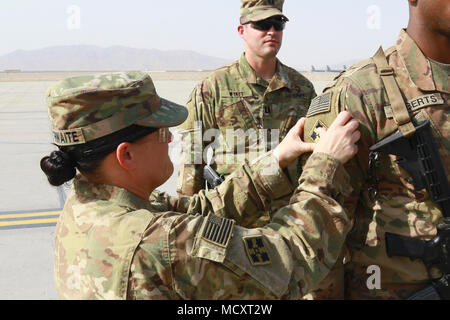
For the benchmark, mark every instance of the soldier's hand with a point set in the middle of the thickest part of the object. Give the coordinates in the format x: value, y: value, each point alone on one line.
x: 292, y: 145
x: 340, y: 139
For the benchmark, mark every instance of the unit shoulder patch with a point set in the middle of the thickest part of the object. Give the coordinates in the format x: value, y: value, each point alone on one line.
x: 320, y: 104
x: 256, y: 250
x: 314, y: 134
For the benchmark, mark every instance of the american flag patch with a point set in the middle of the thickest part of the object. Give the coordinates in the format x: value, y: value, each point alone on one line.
x: 320, y: 104
x: 218, y: 230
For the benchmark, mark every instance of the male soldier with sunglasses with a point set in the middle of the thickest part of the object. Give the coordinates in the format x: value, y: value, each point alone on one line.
x: 241, y: 99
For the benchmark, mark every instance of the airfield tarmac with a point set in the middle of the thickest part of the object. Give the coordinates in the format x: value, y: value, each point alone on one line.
x: 29, y: 206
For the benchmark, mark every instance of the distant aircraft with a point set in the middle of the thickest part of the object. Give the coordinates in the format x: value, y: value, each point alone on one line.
x: 313, y: 69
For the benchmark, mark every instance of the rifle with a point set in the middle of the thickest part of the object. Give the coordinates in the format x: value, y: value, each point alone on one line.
x: 419, y: 156
x: 433, y: 253
x: 211, y: 177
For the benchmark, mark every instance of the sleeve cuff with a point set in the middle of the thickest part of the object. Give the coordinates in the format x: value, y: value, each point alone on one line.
x: 324, y: 172
x: 270, y: 177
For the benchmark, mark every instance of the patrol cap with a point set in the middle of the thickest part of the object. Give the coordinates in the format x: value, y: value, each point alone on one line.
x: 86, y: 108
x: 257, y: 10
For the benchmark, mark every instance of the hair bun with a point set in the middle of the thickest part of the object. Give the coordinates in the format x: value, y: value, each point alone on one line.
x: 59, y: 157
x: 58, y: 167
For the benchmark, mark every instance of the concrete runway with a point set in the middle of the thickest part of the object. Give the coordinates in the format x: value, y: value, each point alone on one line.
x: 28, y: 204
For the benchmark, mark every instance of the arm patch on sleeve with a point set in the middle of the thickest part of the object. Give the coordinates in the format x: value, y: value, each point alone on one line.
x: 217, y: 230
x: 265, y: 258
x: 213, y: 238
x: 320, y: 104
x: 314, y: 135
x: 322, y: 112
x: 256, y: 250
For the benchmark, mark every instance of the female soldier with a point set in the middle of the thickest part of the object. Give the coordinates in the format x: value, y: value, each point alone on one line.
x: 118, y: 239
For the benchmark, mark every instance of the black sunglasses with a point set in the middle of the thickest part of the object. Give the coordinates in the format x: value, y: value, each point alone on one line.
x: 264, y: 25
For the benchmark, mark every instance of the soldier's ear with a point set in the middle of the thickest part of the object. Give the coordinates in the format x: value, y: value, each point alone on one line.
x: 125, y: 156
x: 240, y: 30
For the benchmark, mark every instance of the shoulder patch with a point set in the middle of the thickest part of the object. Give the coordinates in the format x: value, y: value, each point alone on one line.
x: 276, y: 275
x: 320, y: 104
x: 212, y: 239
x: 314, y: 135
x: 256, y: 250
x: 217, y: 230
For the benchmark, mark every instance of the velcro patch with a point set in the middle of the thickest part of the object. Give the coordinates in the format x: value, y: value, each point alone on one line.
x: 319, y: 105
x: 256, y: 250
x: 417, y: 103
x: 314, y: 134
x: 236, y: 94
x: 68, y: 137
x: 424, y: 101
x: 217, y: 230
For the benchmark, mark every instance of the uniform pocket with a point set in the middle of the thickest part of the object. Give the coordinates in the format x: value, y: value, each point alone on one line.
x: 238, y: 133
x: 235, y: 116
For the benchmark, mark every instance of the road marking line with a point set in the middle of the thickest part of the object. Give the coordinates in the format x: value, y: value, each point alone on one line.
x: 33, y: 219
x: 28, y: 222
x: 29, y: 215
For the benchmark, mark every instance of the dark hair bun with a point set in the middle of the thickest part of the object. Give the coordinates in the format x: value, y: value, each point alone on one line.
x: 58, y: 167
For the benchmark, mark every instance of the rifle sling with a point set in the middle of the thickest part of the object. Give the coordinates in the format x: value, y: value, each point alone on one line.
x: 399, y: 109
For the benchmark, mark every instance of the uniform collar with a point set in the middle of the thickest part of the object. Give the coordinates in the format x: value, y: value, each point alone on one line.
x: 280, y: 79
x: 87, y: 190
x: 418, y: 66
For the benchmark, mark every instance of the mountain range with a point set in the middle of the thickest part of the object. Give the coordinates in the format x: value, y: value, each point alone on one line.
x: 88, y: 57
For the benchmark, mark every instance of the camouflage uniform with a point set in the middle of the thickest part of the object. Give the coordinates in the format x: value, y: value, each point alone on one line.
x: 399, y: 208
x: 235, y: 98
x: 112, y: 244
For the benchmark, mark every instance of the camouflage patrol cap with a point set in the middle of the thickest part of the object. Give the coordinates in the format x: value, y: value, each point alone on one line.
x: 89, y: 107
x: 256, y: 10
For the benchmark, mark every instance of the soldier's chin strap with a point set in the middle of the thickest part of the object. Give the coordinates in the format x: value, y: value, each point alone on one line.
x: 399, y: 109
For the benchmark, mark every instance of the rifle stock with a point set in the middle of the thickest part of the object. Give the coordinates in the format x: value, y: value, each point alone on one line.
x: 419, y: 156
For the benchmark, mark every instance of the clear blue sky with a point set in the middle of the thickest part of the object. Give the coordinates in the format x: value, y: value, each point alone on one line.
x: 319, y: 32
